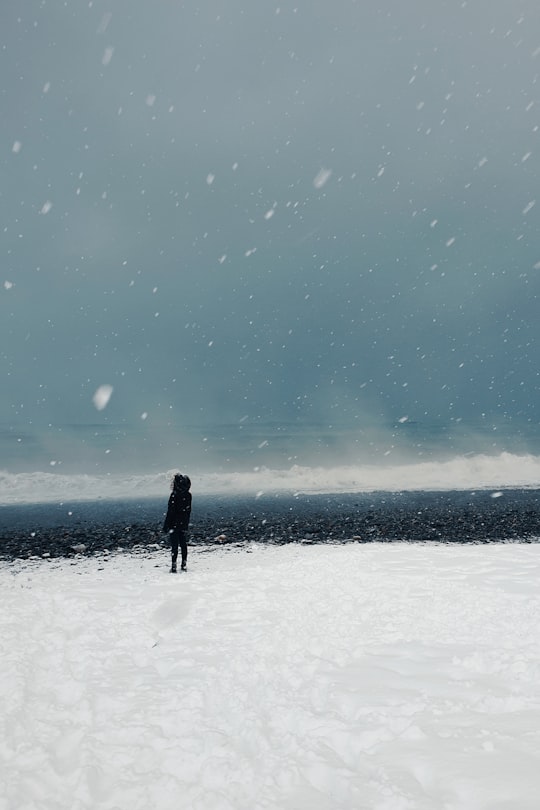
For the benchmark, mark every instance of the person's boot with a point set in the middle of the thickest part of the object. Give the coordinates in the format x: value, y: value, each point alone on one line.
x: 173, y: 568
x: 184, y: 567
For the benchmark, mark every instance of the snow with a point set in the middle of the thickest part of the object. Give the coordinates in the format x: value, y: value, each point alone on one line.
x: 381, y: 676
x: 107, y: 56
x: 322, y: 177
x: 102, y: 396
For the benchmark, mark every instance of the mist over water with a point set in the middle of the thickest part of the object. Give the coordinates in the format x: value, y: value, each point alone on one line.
x: 246, y: 446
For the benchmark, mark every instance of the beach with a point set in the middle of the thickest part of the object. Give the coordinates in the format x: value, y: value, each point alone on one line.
x: 479, y: 516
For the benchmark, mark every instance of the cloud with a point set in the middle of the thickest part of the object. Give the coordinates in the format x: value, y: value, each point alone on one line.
x: 332, y: 198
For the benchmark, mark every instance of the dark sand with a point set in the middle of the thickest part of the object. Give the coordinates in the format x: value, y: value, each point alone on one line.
x: 463, y: 517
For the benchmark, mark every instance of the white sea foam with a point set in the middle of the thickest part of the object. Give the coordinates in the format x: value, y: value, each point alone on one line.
x: 461, y: 473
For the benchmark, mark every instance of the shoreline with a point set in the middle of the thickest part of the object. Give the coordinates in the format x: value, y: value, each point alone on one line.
x: 56, y: 530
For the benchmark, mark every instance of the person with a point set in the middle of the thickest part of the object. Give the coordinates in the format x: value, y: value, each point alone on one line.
x: 177, y: 518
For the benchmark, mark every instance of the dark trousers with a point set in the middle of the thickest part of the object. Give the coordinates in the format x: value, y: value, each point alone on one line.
x: 178, y: 537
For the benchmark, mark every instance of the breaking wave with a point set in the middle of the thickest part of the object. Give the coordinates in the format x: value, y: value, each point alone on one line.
x: 460, y: 473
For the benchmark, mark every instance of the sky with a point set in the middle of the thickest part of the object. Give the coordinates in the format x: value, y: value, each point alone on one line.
x: 310, y: 212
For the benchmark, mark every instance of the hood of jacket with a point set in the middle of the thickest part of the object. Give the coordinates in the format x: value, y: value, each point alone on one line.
x: 181, y: 482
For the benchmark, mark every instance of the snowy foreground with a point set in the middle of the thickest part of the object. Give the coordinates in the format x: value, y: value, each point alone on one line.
x: 384, y: 676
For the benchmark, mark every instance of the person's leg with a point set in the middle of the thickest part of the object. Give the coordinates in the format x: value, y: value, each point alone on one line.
x: 183, y: 546
x: 174, y: 550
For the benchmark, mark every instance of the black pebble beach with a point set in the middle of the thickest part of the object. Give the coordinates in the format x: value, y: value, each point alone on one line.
x: 55, y: 530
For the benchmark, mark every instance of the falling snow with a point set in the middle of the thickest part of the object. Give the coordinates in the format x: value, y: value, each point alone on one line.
x: 322, y: 178
x: 107, y: 56
x: 102, y: 396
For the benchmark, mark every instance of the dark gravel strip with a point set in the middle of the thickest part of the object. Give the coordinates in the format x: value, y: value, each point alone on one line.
x: 453, y: 517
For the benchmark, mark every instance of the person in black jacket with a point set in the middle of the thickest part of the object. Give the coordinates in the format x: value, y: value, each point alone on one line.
x: 177, y: 519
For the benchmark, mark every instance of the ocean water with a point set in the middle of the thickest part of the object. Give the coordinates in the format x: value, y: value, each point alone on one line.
x: 108, y: 461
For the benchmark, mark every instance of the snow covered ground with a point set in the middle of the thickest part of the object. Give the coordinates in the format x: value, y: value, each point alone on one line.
x: 381, y: 676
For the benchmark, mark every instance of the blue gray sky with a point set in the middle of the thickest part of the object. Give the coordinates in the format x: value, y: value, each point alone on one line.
x: 319, y: 211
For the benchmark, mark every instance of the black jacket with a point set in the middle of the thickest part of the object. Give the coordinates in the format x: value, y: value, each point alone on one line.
x: 178, y: 511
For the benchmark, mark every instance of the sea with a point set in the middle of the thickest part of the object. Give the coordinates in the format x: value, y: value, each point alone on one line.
x: 106, y: 461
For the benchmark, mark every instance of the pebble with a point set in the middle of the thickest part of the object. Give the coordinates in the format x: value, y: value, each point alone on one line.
x: 462, y: 517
